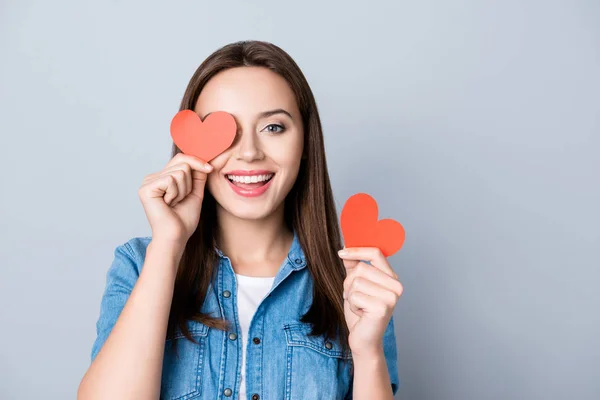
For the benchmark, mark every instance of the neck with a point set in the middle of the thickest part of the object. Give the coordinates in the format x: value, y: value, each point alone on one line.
x: 255, y: 247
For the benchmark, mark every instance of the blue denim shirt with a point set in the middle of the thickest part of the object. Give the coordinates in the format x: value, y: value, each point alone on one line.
x: 282, y: 361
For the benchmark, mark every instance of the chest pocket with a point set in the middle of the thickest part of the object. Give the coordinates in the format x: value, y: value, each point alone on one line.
x: 316, y: 368
x: 183, y: 364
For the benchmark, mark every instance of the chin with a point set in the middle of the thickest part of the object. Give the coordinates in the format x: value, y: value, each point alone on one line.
x: 255, y: 208
x: 251, y: 215
x: 252, y: 212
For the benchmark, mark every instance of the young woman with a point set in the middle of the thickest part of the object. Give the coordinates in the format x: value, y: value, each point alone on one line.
x: 240, y: 292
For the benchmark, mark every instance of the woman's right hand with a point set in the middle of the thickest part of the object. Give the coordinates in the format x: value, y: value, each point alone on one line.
x: 172, y: 198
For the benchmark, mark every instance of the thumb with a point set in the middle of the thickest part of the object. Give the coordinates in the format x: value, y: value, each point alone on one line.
x: 349, y: 264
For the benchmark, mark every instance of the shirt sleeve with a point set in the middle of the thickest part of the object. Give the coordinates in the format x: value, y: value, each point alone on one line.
x: 391, y: 357
x: 120, y: 279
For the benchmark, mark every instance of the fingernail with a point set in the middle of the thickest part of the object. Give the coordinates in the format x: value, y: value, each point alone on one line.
x: 208, y: 167
x: 342, y: 252
x: 344, y: 295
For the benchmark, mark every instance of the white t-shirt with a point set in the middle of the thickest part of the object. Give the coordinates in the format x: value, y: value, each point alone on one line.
x: 250, y: 292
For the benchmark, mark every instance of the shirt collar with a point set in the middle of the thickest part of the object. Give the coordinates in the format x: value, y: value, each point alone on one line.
x: 296, y: 256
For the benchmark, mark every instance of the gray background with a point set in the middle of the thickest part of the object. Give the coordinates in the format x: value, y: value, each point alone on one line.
x: 474, y: 123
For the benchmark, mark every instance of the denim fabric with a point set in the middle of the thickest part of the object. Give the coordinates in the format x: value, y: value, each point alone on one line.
x: 284, y: 363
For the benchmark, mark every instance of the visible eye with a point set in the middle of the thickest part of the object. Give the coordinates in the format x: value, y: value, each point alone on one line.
x: 281, y: 127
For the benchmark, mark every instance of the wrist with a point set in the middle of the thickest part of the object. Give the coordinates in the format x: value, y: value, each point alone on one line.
x: 171, y: 246
x: 168, y: 253
x: 368, y: 356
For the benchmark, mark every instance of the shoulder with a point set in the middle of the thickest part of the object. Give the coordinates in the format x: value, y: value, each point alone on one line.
x: 134, y: 247
x: 129, y: 257
x: 120, y: 280
x: 124, y: 270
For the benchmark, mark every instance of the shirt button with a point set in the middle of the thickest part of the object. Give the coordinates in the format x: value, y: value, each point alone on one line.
x: 232, y: 336
x: 328, y: 345
x: 255, y: 396
x: 226, y: 293
x: 298, y: 261
x: 256, y: 340
x: 227, y: 392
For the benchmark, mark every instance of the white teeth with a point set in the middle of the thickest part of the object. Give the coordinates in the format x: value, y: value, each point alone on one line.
x: 249, y: 179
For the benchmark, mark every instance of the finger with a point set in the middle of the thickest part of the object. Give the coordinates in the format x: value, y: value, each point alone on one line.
x: 353, y: 307
x: 195, y: 162
x: 164, y: 187
x: 176, y: 177
x: 167, y: 171
x: 175, y: 166
x: 349, y: 264
x: 361, y: 303
x: 198, y: 183
x: 371, y: 288
x: 371, y: 254
x: 183, y: 177
x: 375, y: 275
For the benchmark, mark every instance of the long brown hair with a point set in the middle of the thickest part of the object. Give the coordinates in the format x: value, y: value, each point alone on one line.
x: 309, y: 207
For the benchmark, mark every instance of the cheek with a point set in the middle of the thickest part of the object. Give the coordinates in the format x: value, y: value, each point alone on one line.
x: 293, y: 158
x: 219, y: 162
x: 287, y: 154
x: 212, y: 180
x: 290, y: 163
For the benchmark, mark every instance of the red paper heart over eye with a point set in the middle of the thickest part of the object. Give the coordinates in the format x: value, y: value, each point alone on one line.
x: 361, y: 228
x: 207, y: 139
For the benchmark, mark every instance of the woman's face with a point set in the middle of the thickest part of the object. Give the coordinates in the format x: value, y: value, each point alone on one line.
x: 252, y: 178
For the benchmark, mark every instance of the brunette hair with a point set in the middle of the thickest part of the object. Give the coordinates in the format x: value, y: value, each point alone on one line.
x: 309, y: 207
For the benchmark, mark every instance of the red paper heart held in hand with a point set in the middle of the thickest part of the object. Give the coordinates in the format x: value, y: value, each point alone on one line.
x: 207, y: 139
x: 361, y: 228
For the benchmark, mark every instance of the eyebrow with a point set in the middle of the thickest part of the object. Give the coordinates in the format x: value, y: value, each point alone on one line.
x: 265, y: 114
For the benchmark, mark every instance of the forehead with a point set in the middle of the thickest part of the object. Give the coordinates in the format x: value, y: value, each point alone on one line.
x: 246, y: 91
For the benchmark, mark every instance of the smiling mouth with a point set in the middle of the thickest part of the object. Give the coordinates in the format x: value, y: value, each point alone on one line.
x: 250, y: 182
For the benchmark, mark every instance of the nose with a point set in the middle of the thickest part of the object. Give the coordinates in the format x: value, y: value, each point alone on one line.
x: 248, y: 146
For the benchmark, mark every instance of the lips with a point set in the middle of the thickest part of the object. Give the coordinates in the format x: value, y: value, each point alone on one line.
x: 249, y: 183
x: 244, y: 172
x: 255, y: 180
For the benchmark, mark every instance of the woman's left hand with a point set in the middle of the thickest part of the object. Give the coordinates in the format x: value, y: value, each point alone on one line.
x: 371, y: 293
